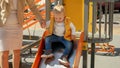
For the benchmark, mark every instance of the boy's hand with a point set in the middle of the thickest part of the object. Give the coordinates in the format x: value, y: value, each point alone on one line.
x: 73, y: 37
x: 43, y: 24
x: 74, y: 41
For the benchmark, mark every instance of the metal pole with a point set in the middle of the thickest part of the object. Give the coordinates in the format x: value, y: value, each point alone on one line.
x: 86, y: 20
x: 106, y: 17
x: 84, y: 58
x: 93, y: 32
x: 86, y: 13
x: 100, y: 13
x: 111, y: 8
x: 85, y: 47
x: 92, y: 55
x: 48, y: 9
x: 94, y: 19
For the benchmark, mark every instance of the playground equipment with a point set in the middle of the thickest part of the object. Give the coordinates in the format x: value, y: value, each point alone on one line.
x: 31, y: 21
x: 104, y: 34
x: 74, y: 63
x: 76, y: 53
x: 84, y: 22
x: 105, y: 31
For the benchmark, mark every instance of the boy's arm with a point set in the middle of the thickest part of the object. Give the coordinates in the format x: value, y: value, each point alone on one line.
x: 47, y: 24
x: 73, y: 29
x: 34, y: 9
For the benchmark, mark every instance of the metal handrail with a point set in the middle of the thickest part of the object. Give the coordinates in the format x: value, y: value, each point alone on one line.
x: 100, y: 35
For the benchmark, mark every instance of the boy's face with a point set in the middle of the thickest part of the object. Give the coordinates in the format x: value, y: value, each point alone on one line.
x: 59, y: 17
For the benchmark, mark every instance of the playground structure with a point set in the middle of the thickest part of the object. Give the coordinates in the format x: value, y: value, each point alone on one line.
x: 101, y: 34
x: 85, y: 23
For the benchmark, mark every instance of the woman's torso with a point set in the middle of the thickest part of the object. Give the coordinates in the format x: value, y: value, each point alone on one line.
x: 12, y: 18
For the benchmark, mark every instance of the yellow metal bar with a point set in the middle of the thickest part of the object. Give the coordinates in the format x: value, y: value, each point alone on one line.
x: 90, y: 17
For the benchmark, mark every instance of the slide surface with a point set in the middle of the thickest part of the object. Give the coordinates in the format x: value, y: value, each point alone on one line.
x: 74, y: 58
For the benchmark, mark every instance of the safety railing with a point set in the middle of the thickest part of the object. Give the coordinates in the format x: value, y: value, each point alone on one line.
x: 101, y: 32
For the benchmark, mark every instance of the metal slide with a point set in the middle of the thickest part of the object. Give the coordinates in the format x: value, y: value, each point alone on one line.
x: 55, y: 63
x: 74, y: 57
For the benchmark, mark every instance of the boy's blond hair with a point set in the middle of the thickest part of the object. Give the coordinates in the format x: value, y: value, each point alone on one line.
x: 58, y: 8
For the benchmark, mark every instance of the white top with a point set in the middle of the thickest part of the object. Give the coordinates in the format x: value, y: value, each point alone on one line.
x: 59, y: 28
x: 11, y: 33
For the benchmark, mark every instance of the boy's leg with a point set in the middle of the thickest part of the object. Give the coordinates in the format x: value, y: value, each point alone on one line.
x: 64, y: 58
x: 49, y: 40
x: 68, y: 47
x: 48, y: 43
x: 48, y: 47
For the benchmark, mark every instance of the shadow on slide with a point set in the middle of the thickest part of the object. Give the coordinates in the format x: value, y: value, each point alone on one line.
x: 74, y: 57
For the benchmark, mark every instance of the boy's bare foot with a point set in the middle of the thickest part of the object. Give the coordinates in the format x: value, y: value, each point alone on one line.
x: 64, y: 61
x: 48, y: 60
x: 47, y: 54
